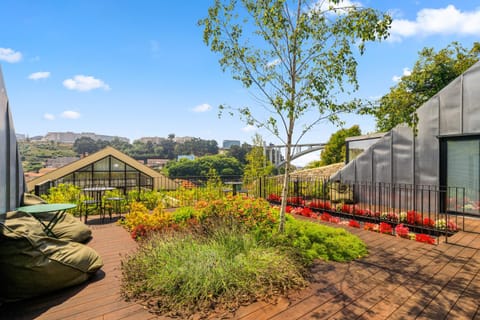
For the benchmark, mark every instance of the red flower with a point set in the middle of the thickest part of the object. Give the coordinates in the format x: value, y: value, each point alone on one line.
x: 427, y: 222
x: 325, y: 217
x: 320, y: 204
x: 274, y: 197
x: 354, y: 224
x: 334, y: 220
x: 385, y: 228
x: 401, y: 231
x: 425, y: 238
x: 306, y: 212
x: 296, y: 201
x: 414, y: 218
x: 347, y: 208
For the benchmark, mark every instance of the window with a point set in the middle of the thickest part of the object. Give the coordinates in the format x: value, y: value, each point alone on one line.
x: 462, y: 175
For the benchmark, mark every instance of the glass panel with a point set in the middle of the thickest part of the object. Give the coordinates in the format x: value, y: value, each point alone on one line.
x: 131, y: 169
x: 356, y: 147
x: 68, y: 179
x: 83, y: 179
x: 463, y: 157
x: 102, y: 165
x: 145, y: 181
x: 117, y: 179
x: 132, y: 178
x: 101, y: 179
x: 86, y: 168
x: 117, y: 165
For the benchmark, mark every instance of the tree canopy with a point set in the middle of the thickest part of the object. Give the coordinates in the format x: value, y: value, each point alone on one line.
x: 431, y: 73
x: 298, y: 57
x: 223, y: 165
x: 335, y: 149
x: 257, y: 164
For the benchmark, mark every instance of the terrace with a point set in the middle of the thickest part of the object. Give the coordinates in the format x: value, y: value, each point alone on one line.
x: 399, y: 279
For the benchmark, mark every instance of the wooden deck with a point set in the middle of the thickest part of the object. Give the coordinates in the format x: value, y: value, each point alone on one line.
x: 400, y: 279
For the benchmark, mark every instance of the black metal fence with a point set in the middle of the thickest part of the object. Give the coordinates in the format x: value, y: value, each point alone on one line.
x: 425, y: 209
x: 428, y: 209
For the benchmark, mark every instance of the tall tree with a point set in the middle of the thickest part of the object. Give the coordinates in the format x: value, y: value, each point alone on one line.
x: 335, y: 149
x: 432, y: 72
x: 85, y: 145
x: 240, y: 152
x: 297, y: 55
x: 257, y: 163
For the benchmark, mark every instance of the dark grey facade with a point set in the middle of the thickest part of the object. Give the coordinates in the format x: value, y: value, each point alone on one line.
x: 12, y: 183
x: 445, y: 153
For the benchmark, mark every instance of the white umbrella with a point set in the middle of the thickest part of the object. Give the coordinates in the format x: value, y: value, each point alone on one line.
x: 12, y: 180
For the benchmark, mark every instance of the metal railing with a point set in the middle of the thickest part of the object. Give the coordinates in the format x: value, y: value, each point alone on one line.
x: 422, y: 208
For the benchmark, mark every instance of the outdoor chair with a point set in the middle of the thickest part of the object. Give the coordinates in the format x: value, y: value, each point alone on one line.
x: 113, y: 205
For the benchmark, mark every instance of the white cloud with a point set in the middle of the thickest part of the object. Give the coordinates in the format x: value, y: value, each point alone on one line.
x: 273, y: 63
x: 39, y: 75
x: 342, y: 7
x: 249, y: 128
x: 406, y: 72
x: 85, y: 83
x: 443, y: 21
x: 9, y: 55
x: 70, y: 114
x: 48, y: 116
x: 202, y: 108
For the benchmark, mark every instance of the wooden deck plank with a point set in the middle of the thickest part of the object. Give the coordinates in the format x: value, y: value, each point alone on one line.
x: 400, y: 279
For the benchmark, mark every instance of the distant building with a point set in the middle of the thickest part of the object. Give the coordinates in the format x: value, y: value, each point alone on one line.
x: 227, y: 144
x: 59, y: 162
x: 70, y: 137
x: 186, y: 156
x: 156, y: 140
x: 20, y: 137
x: 159, y: 140
x: 182, y: 139
x: 157, y: 163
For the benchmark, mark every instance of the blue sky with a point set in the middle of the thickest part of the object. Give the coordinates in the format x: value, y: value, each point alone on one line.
x: 140, y: 68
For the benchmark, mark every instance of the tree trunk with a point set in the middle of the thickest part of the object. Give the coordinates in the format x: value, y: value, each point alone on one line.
x: 286, y: 180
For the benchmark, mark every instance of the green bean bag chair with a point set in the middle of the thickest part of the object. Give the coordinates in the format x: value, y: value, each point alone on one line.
x: 32, y: 264
x: 68, y: 228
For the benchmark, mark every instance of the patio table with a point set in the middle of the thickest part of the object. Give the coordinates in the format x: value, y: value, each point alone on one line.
x: 58, y: 208
x: 97, y: 194
x: 235, y: 186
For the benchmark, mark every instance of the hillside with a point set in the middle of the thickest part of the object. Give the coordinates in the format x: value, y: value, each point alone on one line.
x: 35, y: 154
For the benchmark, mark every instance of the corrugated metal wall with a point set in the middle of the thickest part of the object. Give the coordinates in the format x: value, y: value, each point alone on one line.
x: 401, y: 158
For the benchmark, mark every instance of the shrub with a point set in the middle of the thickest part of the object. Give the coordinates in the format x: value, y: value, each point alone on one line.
x: 315, y: 241
x: 183, y: 274
x: 65, y: 193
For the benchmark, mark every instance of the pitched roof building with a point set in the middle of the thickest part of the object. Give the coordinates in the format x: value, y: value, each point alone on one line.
x: 107, y: 167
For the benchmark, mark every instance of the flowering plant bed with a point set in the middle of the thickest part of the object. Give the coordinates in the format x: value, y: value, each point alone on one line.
x: 389, y: 223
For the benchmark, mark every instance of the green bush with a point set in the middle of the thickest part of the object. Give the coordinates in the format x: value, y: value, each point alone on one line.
x: 232, y: 254
x: 315, y: 241
x: 183, y: 274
